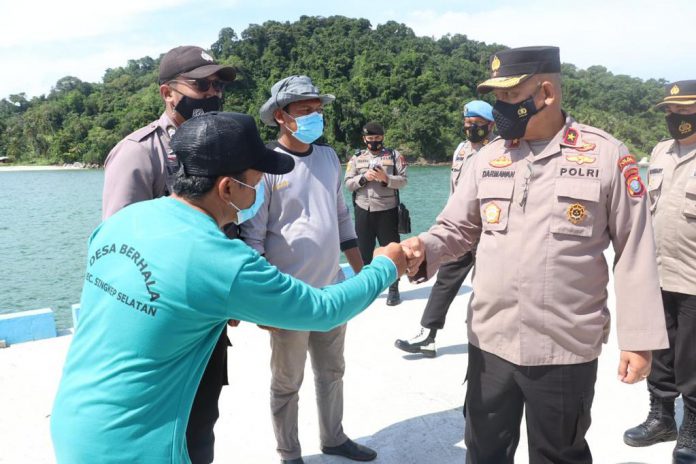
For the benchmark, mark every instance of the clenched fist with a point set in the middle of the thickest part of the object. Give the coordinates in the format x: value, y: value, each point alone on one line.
x: 395, y: 252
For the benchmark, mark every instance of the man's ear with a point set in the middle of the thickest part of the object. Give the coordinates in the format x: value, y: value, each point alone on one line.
x: 550, y: 92
x: 279, y: 117
x: 224, y: 188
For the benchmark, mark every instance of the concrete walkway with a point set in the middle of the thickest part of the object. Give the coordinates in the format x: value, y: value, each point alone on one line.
x: 406, y: 407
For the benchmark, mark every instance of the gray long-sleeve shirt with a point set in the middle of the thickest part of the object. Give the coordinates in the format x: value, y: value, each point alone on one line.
x: 304, y: 223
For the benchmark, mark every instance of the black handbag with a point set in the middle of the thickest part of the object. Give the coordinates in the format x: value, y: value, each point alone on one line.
x: 404, y: 221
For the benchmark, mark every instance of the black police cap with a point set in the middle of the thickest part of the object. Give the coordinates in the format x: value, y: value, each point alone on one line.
x: 511, y: 67
x: 221, y: 144
x: 679, y: 93
x: 373, y: 128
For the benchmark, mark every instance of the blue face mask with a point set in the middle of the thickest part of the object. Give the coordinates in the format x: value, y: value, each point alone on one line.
x: 309, y: 128
x: 250, y: 212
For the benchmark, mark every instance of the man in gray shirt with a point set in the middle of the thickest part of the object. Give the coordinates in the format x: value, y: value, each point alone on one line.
x: 301, y: 228
x: 143, y: 167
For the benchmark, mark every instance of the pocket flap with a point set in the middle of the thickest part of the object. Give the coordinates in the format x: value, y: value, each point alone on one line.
x: 582, y: 189
x: 690, y: 187
x: 496, y: 189
x: 655, y: 181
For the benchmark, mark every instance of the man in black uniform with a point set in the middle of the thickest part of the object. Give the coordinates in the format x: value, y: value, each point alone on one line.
x: 375, y: 176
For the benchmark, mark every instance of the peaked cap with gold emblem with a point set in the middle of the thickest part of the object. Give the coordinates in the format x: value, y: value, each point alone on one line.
x: 515, y: 65
x: 679, y: 93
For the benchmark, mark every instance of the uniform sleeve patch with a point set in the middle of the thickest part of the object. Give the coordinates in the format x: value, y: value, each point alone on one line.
x: 626, y: 161
x: 634, y: 186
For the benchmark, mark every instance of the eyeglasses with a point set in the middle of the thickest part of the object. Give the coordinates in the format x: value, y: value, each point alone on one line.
x: 527, y: 177
x: 203, y: 85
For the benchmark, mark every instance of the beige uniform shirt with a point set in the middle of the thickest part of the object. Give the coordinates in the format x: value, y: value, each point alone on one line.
x: 543, y: 222
x: 461, y: 159
x: 375, y: 195
x: 672, y: 187
x: 140, y: 167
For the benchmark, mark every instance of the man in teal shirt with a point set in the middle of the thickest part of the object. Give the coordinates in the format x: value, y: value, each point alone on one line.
x: 162, y: 280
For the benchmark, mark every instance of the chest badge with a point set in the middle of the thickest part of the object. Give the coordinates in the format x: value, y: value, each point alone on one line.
x: 576, y: 213
x: 492, y: 213
x: 501, y: 162
x: 581, y: 159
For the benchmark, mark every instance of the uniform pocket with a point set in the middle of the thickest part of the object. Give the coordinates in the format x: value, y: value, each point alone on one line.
x: 689, y: 209
x: 654, y: 189
x: 495, y: 198
x: 577, y: 203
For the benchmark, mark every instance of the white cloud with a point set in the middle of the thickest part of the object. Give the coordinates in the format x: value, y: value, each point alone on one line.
x: 637, y: 38
x: 36, y: 22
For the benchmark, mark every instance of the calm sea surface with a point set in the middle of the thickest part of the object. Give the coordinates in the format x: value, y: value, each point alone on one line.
x: 46, y: 218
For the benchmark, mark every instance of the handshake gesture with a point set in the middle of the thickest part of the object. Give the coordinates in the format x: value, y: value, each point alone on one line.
x: 407, y: 255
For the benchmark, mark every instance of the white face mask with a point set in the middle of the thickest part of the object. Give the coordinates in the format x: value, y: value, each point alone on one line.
x: 248, y: 213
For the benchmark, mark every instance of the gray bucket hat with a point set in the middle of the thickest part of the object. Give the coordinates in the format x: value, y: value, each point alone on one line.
x: 289, y: 90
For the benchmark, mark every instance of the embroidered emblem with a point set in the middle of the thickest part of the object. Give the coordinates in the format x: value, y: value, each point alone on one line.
x: 576, y: 213
x: 631, y: 172
x: 501, y: 162
x: 522, y: 112
x: 281, y: 185
x: 684, y: 127
x: 495, y: 64
x: 206, y: 57
x: 626, y: 161
x: 492, y: 213
x: 581, y: 159
x: 634, y: 186
x: 675, y: 90
x: 586, y: 147
x: 571, y: 137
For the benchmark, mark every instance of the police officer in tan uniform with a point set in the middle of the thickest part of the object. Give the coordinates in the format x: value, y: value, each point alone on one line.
x: 672, y: 191
x: 142, y: 167
x: 543, y: 202
x: 478, y: 126
x: 375, y: 176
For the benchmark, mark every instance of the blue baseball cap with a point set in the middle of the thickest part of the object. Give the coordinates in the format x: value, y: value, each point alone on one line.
x: 478, y: 108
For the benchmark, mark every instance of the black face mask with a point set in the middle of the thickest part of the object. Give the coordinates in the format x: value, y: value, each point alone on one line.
x: 681, y: 126
x: 189, y: 107
x: 476, y: 133
x: 375, y: 145
x: 511, y: 119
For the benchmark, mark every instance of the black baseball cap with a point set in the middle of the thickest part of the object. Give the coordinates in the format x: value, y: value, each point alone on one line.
x: 193, y: 63
x: 373, y: 128
x: 679, y: 93
x: 511, y: 67
x: 221, y: 144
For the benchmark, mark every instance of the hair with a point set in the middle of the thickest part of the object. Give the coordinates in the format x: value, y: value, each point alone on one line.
x: 195, y: 187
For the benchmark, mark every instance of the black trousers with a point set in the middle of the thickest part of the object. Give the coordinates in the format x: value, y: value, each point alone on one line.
x: 380, y: 225
x: 449, y: 281
x: 200, y: 439
x: 674, y: 369
x: 556, y: 400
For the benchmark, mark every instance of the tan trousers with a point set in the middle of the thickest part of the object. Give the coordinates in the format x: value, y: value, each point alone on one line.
x: 288, y: 356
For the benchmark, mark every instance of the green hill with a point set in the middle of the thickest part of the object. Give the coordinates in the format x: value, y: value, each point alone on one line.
x: 415, y: 85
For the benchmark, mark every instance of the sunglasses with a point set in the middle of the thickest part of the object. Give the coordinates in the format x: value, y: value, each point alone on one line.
x: 203, y: 85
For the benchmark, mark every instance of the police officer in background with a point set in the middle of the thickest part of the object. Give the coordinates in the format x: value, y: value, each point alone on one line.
x: 478, y: 127
x: 374, y: 176
x: 543, y: 202
x: 143, y: 167
x: 672, y: 189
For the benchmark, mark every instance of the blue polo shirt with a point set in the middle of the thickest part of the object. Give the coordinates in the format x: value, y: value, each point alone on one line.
x: 161, y: 282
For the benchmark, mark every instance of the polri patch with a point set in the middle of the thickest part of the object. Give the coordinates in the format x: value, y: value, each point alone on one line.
x: 492, y: 213
x: 626, y: 161
x: 634, y: 186
x: 576, y: 213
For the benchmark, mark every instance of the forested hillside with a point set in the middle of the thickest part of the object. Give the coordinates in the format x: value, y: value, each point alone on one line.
x: 415, y: 85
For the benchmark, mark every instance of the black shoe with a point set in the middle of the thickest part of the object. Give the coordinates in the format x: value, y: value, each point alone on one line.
x: 351, y: 450
x: 393, y: 297
x: 658, y: 427
x: 292, y: 461
x: 685, y: 450
x: 421, y: 343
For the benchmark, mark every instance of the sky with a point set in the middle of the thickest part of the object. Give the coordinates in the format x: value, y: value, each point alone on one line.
x: 40, y: 41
